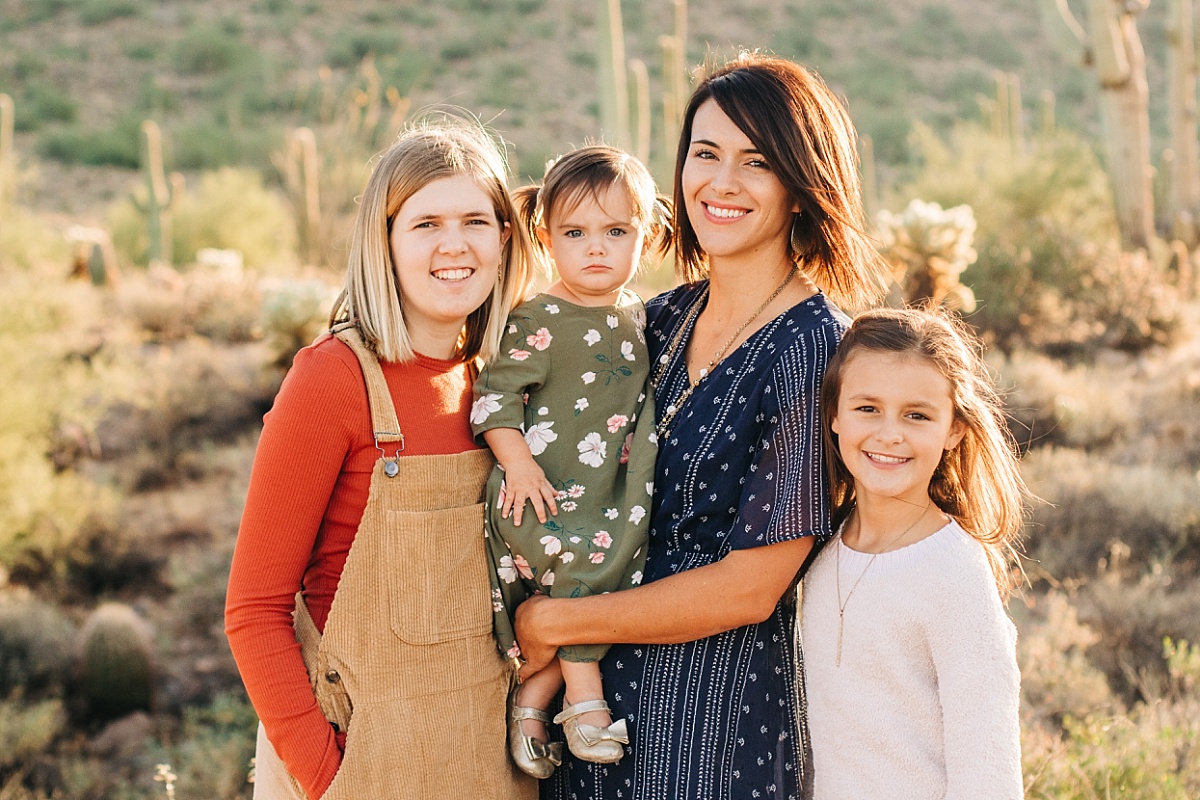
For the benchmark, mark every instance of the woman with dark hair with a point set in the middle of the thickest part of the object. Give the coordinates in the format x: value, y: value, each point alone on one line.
x: 769, y: 236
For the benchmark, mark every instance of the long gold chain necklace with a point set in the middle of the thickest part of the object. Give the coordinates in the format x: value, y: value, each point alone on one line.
x: 838, y: 575
x: 664, y: 425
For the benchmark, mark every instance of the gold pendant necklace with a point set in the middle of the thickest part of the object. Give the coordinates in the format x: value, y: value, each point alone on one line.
x: 664, y: 425
x: 838, y: 576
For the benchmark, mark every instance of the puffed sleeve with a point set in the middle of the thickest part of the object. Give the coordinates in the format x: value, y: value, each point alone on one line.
x: 786, y: 493
x: 521, y: 367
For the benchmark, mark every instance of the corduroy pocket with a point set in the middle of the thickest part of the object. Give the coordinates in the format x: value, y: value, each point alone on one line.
x: 437, y: 574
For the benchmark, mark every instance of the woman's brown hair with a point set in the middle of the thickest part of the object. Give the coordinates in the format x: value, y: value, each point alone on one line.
x: 807, y: 138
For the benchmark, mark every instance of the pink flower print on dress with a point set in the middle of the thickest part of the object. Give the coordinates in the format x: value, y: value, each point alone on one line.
x: 567, y: 557
x: 518, y: 355
x: 596, y: 558
x: 522, y: 566
x: 539, y: 341
x: 602, y: 539
x: 616, y: 422
x: 552, y: 544
x: 576, y: 490
x: 548, y: 579
x: 625, y: 446
x: 514, y: 651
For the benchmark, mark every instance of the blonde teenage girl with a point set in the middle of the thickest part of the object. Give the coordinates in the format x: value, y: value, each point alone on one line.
x: 364, y: 512
x: 909, y: 657
x: 563, y: 407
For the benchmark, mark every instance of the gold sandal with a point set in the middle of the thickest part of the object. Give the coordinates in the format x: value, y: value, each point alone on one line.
x: 588, y: 742
x: 532, y: 756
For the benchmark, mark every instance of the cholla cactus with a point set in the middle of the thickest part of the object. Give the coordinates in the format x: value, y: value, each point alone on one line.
x: 294, y: 312
x: 929, y: 247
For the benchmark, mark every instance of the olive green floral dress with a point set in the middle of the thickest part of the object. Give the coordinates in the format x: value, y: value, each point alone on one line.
x: 573, y: 380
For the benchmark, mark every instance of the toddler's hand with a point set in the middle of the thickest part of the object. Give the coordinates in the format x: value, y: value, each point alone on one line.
x: 523, y: 482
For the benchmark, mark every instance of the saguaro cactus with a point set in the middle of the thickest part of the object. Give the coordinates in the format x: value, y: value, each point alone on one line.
x: 611, y: 80
x: 116, y: 662
x: 1112, y: 48
x: 160, y: 199
x: 300, y: 169
x: 8, y: 169
x: 1183, y: 197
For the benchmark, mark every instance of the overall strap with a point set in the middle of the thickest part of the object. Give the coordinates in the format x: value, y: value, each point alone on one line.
x: 383, y: 414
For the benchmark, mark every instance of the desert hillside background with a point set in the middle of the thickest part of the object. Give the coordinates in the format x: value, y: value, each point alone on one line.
x: 176, y: 184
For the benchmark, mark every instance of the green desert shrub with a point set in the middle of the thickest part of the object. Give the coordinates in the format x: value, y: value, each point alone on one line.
x: 294, y: 312
x: 36, y: 641
x: 49, y: 361
x: 208, y: 50
x: 26, y: 730
x: 1148, y: 754
x: 97, y: 12
x: 230, y: 209
x: 1092, y: 503
x: 1049, y: 272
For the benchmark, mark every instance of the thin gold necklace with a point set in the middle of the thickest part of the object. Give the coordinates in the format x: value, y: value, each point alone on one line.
x: 838, y: 575
x: 664, y: 425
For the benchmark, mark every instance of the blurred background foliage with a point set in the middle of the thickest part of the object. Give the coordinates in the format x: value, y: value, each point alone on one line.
x: 156, y: 280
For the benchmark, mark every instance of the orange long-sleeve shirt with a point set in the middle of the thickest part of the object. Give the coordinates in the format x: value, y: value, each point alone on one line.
x: 308, y: 490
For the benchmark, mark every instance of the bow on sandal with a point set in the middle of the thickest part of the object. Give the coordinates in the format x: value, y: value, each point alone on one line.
x: 532, y: 756
x: 591, y: 743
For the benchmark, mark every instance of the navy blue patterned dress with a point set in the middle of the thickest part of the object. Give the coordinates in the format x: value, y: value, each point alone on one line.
x: 721, y: 718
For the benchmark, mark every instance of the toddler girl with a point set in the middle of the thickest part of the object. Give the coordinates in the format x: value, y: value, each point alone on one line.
x: 909, y: 656
x: 563, y: 407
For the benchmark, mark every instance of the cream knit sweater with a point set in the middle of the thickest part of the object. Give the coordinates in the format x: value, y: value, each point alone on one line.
x: 925, y: 703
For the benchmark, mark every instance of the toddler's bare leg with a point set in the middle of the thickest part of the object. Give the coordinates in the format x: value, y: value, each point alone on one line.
x: 584, y: 683
x: 536, y: 692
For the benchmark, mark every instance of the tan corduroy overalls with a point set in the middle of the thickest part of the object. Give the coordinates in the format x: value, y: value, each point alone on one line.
x: 407, y: 665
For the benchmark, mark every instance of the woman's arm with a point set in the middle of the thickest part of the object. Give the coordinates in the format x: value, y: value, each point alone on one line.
x: 284, y: 509
x: 741, y: 589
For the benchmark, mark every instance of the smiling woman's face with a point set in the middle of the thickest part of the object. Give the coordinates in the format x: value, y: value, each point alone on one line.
x: 735, y: 203
x: 446, y: 245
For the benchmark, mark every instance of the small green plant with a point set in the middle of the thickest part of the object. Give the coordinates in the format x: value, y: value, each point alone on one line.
x: 116, y: 662
x: 97, y: 12
x: 293, y: 314
x: 27, y: 730
x: 35, y: 647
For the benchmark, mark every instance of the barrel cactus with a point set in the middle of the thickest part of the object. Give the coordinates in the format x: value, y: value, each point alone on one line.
x: 116, y: 662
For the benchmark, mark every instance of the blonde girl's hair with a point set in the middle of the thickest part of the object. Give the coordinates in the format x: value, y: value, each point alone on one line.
x: 442, y: 145
x: 591, y: 171
x: 978, y: 482
x: 807, y: 138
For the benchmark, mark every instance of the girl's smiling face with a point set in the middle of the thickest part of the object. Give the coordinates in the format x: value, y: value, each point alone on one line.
x: 894, y: 420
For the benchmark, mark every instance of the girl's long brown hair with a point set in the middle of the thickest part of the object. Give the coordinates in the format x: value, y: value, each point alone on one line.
x: 978, y: 482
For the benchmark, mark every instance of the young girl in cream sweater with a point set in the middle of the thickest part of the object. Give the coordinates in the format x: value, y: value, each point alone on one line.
x: 910, y: 662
